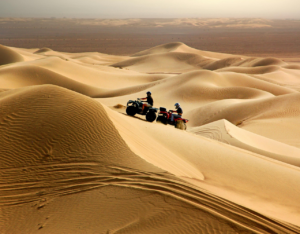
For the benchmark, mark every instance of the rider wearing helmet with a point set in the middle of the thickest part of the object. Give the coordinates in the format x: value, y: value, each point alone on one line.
x: 178, y: 111
x: 148, y: 102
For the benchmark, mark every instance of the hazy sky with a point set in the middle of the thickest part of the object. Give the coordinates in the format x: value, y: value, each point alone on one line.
x: 150, y: 8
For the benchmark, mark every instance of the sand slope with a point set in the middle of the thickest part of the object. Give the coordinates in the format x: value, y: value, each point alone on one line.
x: 199, y: 88
x: 228, y: 171
x: 177, y: 57
x: 228, y: 133
x: 70, y: 163
x: 87, y: 167
x: 9, y: 56
x: 180, y: 47
x: 276, y: 117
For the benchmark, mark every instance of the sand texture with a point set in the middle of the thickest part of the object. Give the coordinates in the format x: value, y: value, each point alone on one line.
x: 72, y: 161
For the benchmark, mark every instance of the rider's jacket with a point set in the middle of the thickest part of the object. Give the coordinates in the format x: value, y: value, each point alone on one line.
x: 150, y: 100
x: 179, y: 110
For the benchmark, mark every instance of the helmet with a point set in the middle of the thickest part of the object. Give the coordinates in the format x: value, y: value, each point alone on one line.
x: 148, y: 92
x: 177, y: 105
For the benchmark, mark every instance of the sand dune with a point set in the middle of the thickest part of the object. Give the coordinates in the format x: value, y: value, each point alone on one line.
x: 222, y: 63
x: 72, y: 161
x: 21, y: 76
x: 97, y: 58
x: 228, y: 171
x: 9, y: 56
x: 195, y: 89
x: 258, y: 62
x: 35, y: 117
x: 251, y: 70
x: 292, y: 66
x: 169, y: 47
x: 86, y: 79
x: 181, y: 48
x: 87, y: 166
x: 177, y: 57
x: 241, y: 111
x: 276, y: 117
x: 228, y: 133
x: 287, y: 76
x: 42, y: 50
x: 13, y: 77
x: 100, y: 76
x: 165, y: 62
x: 183, y: 22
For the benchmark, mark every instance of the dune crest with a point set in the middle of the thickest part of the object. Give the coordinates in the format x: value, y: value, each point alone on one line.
x: 178, y: 57
x: 169, y: 47
x: 9, y: 56
x: 42, y: 50
x: 181, y: 48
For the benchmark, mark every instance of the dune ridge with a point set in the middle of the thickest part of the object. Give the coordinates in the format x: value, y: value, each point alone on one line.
x: 42, y: 50
x: 224, y: 131
x: 9, y: 56
x: 168, y: 57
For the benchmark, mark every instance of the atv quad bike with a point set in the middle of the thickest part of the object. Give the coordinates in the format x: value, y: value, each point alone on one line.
x: 164, y: 116
x: 135, y: 107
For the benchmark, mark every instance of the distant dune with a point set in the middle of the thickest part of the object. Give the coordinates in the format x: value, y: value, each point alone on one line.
x: 183, y: 22
x: 9, y: 56
x: 255, y: 37
x: 178, y: 57
x: 73, y: 161
x: 42, y: 50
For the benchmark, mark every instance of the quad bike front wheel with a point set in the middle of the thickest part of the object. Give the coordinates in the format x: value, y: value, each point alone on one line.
x: 131, y: 110
x: 180, y: 124
x: 150, y: 116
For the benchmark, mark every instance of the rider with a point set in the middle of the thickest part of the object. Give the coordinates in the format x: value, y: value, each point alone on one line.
x: 149, y: 101
x: 178, y: 111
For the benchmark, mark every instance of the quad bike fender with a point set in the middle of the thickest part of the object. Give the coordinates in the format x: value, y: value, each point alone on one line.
x: 130, y: 102
x: 184, y: 120
x: 153, y: 109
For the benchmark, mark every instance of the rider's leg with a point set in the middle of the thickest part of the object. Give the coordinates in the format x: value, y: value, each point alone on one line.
x: 175, y: 116
x: 145, y: 105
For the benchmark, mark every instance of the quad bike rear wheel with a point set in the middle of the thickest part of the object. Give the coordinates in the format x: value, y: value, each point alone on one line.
x: 131, y: 110
x: 180, y: 124
x: 162, y: 119
x: 150, y: 116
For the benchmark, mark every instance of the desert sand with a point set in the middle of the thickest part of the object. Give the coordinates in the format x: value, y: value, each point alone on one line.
x: 72, y: 161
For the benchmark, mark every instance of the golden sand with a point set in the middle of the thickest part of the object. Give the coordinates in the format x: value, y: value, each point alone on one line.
x: 72, y: 161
